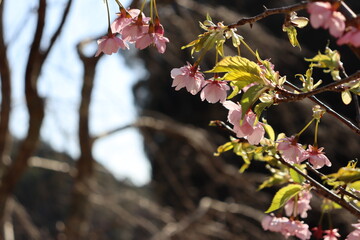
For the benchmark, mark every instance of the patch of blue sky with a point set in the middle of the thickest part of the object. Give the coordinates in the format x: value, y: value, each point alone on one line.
x: 112, y: 103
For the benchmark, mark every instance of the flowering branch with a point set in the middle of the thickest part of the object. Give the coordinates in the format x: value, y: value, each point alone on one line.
x: 323, y: 191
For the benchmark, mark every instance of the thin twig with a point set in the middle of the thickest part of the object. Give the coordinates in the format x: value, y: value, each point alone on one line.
x: 311, y: 168
x: 329, y: 110
x: 344, y: 192
x: 290, y: 96
x: 357, y: 108
x: 58, y: 30
x: 322, y: 176
x: 268, y: 12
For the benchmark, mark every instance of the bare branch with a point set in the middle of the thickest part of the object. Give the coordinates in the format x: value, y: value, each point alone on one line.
x: 59, y: 29
x: 269, y: 12
x: 172, y: 229
x: 329, y: 110
x: 291, y: 97
x: 124, y: 214
x: 50, y: 164
x: 25, y: 220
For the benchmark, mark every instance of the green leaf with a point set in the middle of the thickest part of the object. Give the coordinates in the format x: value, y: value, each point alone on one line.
x: 270, y: 131
x: 223, y: 148
x: 355, y: 88
x: 235, y: 91
x: 272, y: 181
x: 292, y: 35
x: 346, y: 97
x: 238, y: 69
x: 330, y: 61
x: 283, y: 195
x: 295, y: 176
x: 220, y: 47
x: 250, y: 97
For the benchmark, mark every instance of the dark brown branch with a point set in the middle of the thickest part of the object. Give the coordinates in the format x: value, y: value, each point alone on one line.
x: 291, y: 97
x: 323, y: 191
x: 329, y: 110
x: 357, y: 108
x: 5, y: 92
x: 344, y: 192
x: 322, y: 176
x: 269, y: 12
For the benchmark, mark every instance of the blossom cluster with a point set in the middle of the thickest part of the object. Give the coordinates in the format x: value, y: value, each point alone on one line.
x: 286, y: 226
x: 325, y: 15
x: 246, y: 127
x: 213, y: 91
x: 299, y: 205
x: 193, y: 80
x: 132, y: 26
x: 293, y: 152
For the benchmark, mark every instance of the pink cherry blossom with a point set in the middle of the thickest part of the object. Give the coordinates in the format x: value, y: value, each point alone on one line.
x: 155, y: 35
x: 354, y: 235
x: 352, y: 37
x: 214, y: 91
x: 152, y: 38
x: 125, y: 18
x: 317, y: 158
x: 189, y: 77
x: 291, y: 151
x: 273, y: 224
x: 323, y: 14
x: 244, y: 128
x: 298, y: 229
x: 301, y: 207
x: 136, y: 29
x: 331, y: 234
x: 110, y: 44
x: 286, y: 227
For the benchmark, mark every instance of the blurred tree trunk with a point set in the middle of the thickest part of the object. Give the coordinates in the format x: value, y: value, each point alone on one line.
x: 78, y: 221
x: 35, y: 106
x: 5, y: 95
x: 34, y: 102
